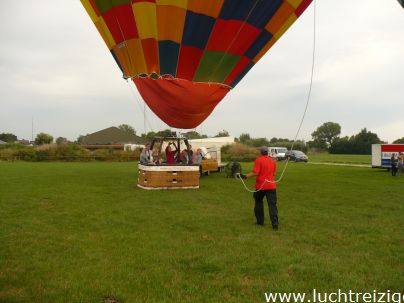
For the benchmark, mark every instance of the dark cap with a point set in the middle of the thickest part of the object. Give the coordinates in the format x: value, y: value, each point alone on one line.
x: 264, y: 150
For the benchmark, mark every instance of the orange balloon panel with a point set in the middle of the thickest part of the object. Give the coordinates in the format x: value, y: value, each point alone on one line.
x: 181, y: 103
x: 197, y: 42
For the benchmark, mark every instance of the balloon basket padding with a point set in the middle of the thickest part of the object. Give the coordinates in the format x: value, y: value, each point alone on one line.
x: 168, y: 177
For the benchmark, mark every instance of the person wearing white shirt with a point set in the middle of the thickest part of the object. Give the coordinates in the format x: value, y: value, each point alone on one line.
x: 146, y: 157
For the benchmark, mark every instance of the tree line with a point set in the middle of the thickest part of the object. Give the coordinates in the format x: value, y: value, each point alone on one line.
x: 325, y: 138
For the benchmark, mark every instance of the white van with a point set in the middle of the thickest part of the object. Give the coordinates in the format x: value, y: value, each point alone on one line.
x: 277, y: 153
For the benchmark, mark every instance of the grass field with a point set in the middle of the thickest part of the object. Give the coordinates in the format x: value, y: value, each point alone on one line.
x: 77, y: 232
x: 350, y: 159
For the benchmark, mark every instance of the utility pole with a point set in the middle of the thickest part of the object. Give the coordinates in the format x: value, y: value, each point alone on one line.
x: 32, y: 129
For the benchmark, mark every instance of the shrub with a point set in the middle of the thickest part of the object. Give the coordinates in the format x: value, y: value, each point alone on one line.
x: 42, y: 155
x: 70, y: 152
x: 127, y: 155
x: 101, y: 154
x: 26, y: 154
x: 7, y: 154
x: 64, y: 152
x: 239, y: 152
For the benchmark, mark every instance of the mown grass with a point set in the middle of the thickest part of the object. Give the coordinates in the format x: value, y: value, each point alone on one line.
x: 349, y: 159
x: 77, y: 232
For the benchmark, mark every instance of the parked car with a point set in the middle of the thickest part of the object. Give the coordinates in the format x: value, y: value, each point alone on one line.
x: 296, y: 155
x: 278, y: 153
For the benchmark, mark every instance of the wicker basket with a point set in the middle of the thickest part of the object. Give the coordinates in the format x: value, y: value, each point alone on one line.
x: 168, y: 176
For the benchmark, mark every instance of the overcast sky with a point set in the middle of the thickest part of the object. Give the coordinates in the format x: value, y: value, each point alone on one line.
x: 55, y: 68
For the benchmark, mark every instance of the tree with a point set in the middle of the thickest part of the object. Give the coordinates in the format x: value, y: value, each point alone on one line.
x: 326, y: 133
x: 244, y: 138
x: 318, y: 144
x: 43, y: 138
x: 363, y: 141
x: 259, y: 142
x: 358, y: 144
x: 162, y: 133
x: 7, y: 137
x: 223, y: 133
x: 398, y: 141
x: 149, y: 135
x: 80, y: 139
x: 127, y: 129
x: 194, y: 135
x: 275, y: 140
x: 166, y: 133
x: 342, y: 146
x: 61, y: 140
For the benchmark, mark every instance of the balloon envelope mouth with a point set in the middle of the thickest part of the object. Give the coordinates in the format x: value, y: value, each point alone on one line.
x: 180, y: 103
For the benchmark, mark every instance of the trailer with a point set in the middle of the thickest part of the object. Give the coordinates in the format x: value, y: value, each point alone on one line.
x: 211, y: 150
x: 381, y: 154
x: 211, y: 161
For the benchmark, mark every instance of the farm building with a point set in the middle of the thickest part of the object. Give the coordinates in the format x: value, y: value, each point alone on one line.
x: 111, y: 137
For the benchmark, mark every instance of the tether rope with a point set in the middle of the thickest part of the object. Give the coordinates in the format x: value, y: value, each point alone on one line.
x: 304, y: 112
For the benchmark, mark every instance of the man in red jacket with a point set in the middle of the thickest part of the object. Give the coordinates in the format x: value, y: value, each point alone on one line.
x: 264, y: 171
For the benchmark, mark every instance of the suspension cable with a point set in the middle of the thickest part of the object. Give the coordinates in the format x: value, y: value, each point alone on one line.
x: 145, y: 119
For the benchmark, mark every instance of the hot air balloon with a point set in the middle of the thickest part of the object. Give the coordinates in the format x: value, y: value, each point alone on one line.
x: 184, y: 56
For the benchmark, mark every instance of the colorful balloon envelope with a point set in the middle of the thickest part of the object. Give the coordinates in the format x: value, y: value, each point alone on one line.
x: 184, y: 56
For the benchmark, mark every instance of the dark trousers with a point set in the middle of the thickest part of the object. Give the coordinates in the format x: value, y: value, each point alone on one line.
x: 393, y: 170
x: 259, y: 206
